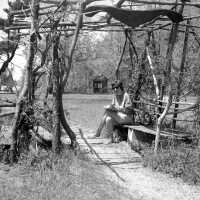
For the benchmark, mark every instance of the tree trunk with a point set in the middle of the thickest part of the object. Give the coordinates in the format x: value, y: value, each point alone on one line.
x: 33, y: 46
x: 171, y: 44
x: 56, y: 143
x: 48, y: 88
x: 65, y: 125
x: 73, y: 44
x: 182, y: 68
x: 140, y: 78
x: 13, y: 148
x: 160, y: 120
x: 68, y: 69
x: 167, y: 79
x: 27, y: 85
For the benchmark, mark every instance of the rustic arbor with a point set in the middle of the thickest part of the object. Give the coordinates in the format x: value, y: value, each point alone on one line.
x: 49, y: 20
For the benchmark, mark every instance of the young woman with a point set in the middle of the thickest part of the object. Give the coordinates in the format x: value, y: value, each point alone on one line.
x: 119, y: 112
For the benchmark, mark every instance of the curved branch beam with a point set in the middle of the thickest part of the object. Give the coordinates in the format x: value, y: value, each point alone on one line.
x: 6, y: 63
x: 27, y: 11
x: 134, y: 1
x: 166, y: 3
x: 74, y: 41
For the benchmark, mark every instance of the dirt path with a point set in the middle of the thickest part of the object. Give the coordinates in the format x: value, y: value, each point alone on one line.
x: 124, y: 166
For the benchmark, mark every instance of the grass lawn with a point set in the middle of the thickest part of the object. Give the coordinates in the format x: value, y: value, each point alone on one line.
x: 86, y: 110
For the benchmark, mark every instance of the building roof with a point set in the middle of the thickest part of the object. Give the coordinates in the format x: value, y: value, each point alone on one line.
x: 100, y: 77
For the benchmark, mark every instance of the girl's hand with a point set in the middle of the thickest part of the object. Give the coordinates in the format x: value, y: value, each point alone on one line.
x: 110, y: 107
x: 121, y: 109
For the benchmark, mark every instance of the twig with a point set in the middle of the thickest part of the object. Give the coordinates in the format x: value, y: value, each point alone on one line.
x: 28, y: 10
x: 153, y: 74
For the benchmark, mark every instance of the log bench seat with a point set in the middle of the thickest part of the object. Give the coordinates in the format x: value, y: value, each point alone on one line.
x: 137, y: 135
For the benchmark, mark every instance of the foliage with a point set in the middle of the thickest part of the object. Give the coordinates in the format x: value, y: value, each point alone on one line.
x: 101, y: 55
x: 179, y: 161
x: 6, y: 46
x: 95, y: 54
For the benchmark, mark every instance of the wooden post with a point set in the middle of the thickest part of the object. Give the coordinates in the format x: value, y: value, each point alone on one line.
x: 171, y: 44
x: 167, y: 79
x: 153, y: 74
x: 56, y: 143
x: 33, y: 47
x: 180, y: 78
x: 140, y: 76
x: 161, y: 118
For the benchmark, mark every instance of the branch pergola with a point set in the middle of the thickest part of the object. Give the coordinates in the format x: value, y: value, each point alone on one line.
x: 74, y: 29
x: 90, y: 25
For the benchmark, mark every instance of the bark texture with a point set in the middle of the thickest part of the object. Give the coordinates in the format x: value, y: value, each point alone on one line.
x: 56, y: 143
x: 167, y: 79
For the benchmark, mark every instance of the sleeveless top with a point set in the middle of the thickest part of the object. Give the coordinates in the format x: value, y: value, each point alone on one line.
x: 126, y: 103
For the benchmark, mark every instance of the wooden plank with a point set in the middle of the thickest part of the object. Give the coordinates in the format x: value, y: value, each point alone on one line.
x: 155, y: 103
x: 153, y: 132
x: 137, y: 139
x: 180, y: 135
x: 141, y: 128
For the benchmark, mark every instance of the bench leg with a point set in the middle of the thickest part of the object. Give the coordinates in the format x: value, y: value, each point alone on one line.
x: 133, y: 141
x: 120, y: 134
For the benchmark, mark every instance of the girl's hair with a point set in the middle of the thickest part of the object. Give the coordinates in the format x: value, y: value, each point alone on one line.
x: 118, y: 84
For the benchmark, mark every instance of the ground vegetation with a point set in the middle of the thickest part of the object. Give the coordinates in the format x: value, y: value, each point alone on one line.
x: 161, y: 57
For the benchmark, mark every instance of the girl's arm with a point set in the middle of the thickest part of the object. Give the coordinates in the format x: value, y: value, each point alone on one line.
x: 126, y: 105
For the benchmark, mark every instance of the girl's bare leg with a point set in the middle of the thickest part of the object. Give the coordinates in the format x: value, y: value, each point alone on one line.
x: 100, y: 128
x: 102, y: 123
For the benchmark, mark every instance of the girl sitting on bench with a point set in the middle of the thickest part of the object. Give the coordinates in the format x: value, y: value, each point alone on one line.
x: 118, y: 113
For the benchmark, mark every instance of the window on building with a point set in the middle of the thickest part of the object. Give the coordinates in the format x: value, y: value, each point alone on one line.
x: 99, y: 85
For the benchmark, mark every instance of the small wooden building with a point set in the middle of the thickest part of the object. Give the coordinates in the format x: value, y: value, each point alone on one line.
x: 100, y: 84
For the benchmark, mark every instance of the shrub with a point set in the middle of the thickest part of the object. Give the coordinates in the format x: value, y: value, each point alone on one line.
x: 180, y: 161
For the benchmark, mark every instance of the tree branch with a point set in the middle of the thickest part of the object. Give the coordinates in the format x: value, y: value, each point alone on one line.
x: 74, y: 41
x: 6, y: 63
x: 153, y: 74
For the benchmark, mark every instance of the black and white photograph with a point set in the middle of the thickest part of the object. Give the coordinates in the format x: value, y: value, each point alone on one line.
x: 99, y: 99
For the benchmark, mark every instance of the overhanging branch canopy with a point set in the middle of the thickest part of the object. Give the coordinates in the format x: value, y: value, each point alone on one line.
x: 55, y: 7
